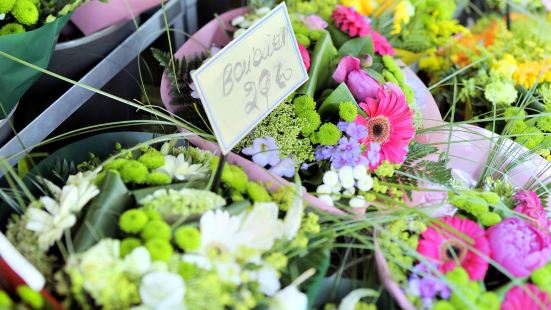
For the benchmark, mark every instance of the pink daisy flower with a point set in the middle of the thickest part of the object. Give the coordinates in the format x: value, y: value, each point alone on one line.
x: 350, y: 21
x: 528, y: 297
x: 381, y: 45
x: 453, y: 246
x: 389, y: 124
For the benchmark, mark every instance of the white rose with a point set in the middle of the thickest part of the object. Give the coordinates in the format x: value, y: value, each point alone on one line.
x: 346, y: 173
x: 138, y: 261
x: 365, y: 184
x: 163, y: 291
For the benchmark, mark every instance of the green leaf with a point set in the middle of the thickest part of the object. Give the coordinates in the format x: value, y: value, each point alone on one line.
x: 320, y: 70
x: 376, y: 75
x: 339, y: 37
x: 330, y: 106
x: 101, y: 220
x: 357, y: 47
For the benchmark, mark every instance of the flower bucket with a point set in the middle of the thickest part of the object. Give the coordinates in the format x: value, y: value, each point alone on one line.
x: 96, y: 15
x: 214, y: 34
x: 467, y: 140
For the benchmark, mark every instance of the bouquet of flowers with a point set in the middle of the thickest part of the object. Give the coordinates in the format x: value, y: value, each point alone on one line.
x: 349, y: 131
x: 498, y: 77
x: 144, y: 230
x: 28, y: 32
x: 491, y: 250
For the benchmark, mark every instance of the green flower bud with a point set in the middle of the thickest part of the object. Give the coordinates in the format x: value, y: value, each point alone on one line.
x: 134, y: 172
x: 11, y: 28
x: 6, y: 5
x: 158, y: 178
x: 304, y: 104
x: 258, y: 193
x: 152, y: 158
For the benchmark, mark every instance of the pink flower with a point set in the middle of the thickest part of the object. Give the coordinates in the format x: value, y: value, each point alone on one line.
x: 361, y: 85
x: 547, y: 4
x: 350, y: 21
x: 518, y: 247
x: 314, y: 22
x: 389, y: 124
x: 529, y: 204
x: 452, y: 243
x: 305, y: 56
x: 528, y: 297
x: 381, y: 45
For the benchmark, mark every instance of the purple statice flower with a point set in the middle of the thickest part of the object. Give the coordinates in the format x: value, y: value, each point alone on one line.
x: 426, y: 286
x: 304, y: 166
x: 324, y: 152
x: 264, y: 151
x: 374, y: 154
x: 285, y: 168
x: 348, y: 153
x: 353, y: 130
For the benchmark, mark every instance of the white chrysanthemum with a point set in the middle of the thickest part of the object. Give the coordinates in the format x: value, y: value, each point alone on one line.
x: 324, y: 189
x: 86, y: 189
x: 50, y: 223
x: 180, y: 169
x: 219, y: 231
x: 289, y: 298
x: 365, y: 184
x: 330, y: 178
x: 163, y: 291
x: 229, y: 271
x: 346, y: 173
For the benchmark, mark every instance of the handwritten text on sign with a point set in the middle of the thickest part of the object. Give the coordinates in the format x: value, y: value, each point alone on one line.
x: 247, y: 79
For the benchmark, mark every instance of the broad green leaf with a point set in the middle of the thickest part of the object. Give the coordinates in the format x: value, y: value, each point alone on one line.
x: 357, y: 47
x: 320, y: 71
x: 330, y: 106
x: 101, y: 219
x: 339, y: 37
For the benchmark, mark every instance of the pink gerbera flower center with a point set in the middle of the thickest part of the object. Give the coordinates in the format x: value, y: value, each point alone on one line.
x: 378, y: 128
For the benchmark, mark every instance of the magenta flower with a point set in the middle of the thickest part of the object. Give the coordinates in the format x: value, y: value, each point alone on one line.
x: 350, y: 21
x: 305, y: 56
x: 529, y: 204
x: 518, y: 247
x: 456, y: 242
x: 361, y: 85
x: 314, y: 22
x: 527, y: 297
x: 381, y: 45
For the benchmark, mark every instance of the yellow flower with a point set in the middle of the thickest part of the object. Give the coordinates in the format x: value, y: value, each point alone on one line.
x: 364, y: 7
x: 505, y: 67
x: 432, y: 63
x: 532, y: 72
x: 402, y: 13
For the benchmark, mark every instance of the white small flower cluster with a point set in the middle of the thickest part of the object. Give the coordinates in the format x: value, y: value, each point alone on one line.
x: 346, y: 182
x: 244, y: 22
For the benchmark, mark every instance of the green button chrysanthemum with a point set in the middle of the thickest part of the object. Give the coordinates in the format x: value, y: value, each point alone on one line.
x: 11, y: 28
x: 25, y: 12
x: 6, y: 5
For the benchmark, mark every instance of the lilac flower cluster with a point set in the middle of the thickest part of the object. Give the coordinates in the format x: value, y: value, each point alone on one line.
x: 265, y: 152
x: 349, y: 151
x: 426, y: 286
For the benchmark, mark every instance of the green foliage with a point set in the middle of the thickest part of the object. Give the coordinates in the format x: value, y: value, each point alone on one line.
x: 179, y: 87
x: 358, y: 47
x: 102, y: 216
x: 433, y: 171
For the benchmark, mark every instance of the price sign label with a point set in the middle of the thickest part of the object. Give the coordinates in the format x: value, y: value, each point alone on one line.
x: 247, y: 79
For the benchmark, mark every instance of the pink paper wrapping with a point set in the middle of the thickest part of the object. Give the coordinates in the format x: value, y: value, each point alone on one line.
x: 95, y: 15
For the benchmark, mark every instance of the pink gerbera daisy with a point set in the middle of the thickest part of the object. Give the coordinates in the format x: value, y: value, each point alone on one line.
x: 350, y: 21
x: 452, y: 243
x: 305, y: 56
x: 528, y: 297
x: 390, y: 126
x: 381, y: 44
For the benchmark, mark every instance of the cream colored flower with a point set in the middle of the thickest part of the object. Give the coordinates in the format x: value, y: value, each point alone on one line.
x: 180, y: 169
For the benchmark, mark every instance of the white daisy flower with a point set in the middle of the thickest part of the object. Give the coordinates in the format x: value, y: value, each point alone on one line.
x: 180, y: 169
